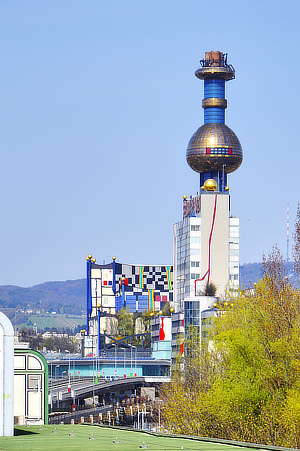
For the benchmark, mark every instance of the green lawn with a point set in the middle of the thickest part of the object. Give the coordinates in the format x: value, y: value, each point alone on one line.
x: 31, y: 438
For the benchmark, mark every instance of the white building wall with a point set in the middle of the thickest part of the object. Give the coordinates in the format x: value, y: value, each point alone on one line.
x: 191, y: 238
x: 234, y: 252
x: 215, y: 225
x: 186, y: 258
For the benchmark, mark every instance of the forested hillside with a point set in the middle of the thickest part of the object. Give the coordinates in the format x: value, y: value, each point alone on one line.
x: 250, y: 273
x: 69, y: 297
x: 63, y: 297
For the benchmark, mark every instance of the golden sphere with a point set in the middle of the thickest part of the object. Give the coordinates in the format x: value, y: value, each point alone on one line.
x: 202, y: 187
x: 231, y: 305
x: 210, y: 185
x: 225, y: 304
x: 215, y: 305
x: 93, y: 260
x: 123, y: 279
x: 114, y: 258
x: 87, y: 258
x: 226, y: 188
x: 172, y: 310
x: 218, y: 136
x: 90, y: 256
x: 160, y: 312
x: 184, y: 197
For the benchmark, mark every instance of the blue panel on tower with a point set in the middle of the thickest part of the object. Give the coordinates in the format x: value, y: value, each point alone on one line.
x: 214, y: 88
x: 214, y: 116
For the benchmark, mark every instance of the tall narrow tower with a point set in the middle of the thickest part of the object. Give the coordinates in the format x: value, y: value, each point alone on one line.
x: 206, y: 241
x: 214, y: 149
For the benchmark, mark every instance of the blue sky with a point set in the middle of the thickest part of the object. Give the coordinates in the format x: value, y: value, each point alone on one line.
x: 98, y: 103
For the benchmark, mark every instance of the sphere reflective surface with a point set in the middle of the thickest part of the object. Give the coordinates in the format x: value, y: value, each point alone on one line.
x: 210, y: 185
x: 214, y: 147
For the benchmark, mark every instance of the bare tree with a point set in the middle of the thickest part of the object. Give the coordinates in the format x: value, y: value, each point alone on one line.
x: 296, y: 249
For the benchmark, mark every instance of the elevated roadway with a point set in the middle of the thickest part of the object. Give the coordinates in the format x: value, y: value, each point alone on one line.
x: 63, y: 394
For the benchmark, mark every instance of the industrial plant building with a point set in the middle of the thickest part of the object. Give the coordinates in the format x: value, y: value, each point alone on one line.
x: 205, y: 240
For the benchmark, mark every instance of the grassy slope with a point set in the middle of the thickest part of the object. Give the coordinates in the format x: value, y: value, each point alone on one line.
x: 56, y: 321
x: 130, y: 440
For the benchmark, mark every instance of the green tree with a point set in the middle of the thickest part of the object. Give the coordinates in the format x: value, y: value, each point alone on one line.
x: 245, y: 383
x: 34, y: 339
x: 166, y: 311
x: 146, y: 319
x: 53, y: 343
x: 61, y: 344
x: 210, y: 289
x: 125, y: 322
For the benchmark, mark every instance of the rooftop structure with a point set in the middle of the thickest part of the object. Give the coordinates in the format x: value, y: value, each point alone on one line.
x: 214, y: 150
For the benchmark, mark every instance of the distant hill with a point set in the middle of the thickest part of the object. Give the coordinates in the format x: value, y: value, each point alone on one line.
x: 250, y: 273
x: 69, y: 297
x: 63, y: 297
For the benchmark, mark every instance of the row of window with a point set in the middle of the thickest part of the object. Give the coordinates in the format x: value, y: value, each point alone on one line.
x: 186, y: 253
x: 233, y: 252
x: 233, y: 258
x: 192, y: 276
x: 183, y: 231
x: 187, y: 241
x: 218, y: 151
x: 186, y: 265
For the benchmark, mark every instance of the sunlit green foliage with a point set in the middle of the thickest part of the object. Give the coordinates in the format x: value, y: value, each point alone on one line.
x: 245, y: 384
x: 125, y: 322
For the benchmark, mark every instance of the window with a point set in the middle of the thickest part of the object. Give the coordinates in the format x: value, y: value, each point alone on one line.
x: 195, y: 228
x: 218, y: 151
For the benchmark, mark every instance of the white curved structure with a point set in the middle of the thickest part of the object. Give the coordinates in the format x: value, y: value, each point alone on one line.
x: 6, y: 376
